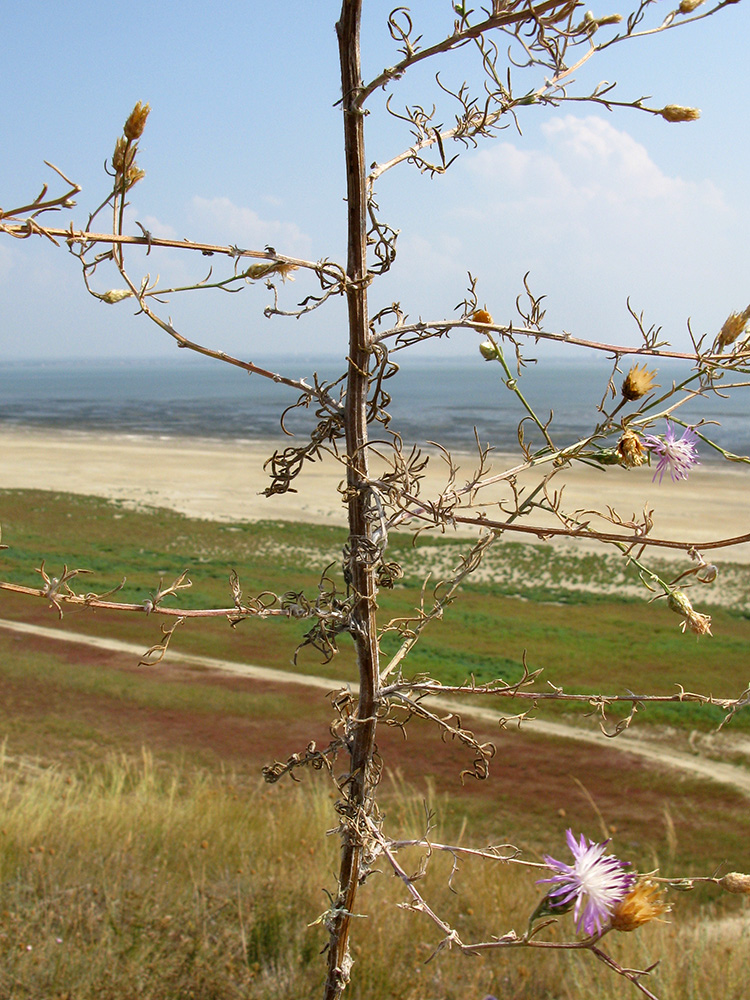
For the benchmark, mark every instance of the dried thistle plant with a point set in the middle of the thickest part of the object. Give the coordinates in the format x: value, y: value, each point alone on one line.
x: 383, y: 478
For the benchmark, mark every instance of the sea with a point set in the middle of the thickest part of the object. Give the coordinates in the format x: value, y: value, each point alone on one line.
x: 447, y: 401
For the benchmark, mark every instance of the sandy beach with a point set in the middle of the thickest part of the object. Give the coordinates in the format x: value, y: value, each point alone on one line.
x: 224, y: 480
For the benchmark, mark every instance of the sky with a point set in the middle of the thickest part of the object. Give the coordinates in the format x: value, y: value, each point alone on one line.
x: 244, y: 146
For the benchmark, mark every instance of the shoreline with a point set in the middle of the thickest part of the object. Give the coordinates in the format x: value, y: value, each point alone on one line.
x: 222, y: 479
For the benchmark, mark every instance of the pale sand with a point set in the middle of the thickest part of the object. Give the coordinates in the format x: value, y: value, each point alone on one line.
x: 223, y: 480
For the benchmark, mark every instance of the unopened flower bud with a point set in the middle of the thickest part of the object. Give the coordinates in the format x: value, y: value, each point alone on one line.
x: 482, y: 316
x: 489, y: 351
x: 676, y: 113
x: 115, y: 295
x: 688, y: 6
x: 136, y: 122
x: 638, y: 382
x: 736, y: 882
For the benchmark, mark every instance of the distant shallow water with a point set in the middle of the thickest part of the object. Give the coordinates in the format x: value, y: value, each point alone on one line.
x: 438, y: 400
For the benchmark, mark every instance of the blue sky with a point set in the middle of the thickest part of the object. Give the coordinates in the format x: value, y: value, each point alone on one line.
x: 243, y: 146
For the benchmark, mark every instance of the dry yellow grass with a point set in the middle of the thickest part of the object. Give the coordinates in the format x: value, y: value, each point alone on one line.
x: 136, y: 880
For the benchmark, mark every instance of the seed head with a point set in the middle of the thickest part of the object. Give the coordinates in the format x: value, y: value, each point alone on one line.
x: 134, y: 126
x: 736, y: 882
x: 676, y: 113
x: 643, y: 903
x: 638, y: 382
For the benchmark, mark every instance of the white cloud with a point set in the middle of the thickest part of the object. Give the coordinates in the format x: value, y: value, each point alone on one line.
x: 228, y: 223
x: 595, y: 218
x: 592, y: 177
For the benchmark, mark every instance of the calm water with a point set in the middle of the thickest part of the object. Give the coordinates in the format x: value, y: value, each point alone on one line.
x: 432, y: 400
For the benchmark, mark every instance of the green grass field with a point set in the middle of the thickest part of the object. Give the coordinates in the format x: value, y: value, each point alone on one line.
x: 142, y: 857
x: 585, y: 642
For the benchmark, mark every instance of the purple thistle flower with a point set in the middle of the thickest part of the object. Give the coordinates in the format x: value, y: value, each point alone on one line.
x: 677, y: 456
x: 594, y: 883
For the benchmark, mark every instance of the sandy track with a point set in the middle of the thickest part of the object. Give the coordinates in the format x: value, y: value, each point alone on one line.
x: 735, y: 777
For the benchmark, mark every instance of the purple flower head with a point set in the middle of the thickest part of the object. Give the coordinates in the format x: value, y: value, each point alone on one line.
x: 676, y: 456
x: 594, y: 883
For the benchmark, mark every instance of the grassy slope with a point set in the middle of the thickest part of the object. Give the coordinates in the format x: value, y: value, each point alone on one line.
x: 135, y: 880
x: 586, y: 642
x: 180, y: 877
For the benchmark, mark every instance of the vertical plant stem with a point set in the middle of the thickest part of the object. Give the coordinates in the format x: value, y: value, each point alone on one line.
x: 359, y: 784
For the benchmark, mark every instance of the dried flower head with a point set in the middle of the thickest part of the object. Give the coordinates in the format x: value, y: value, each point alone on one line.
x: 630, y: 451
x: 133, y: 175
x: 482, y: 316
x: 736, y: 882
x: 643, y: 903
x: 734, y: 327
x: 134, y: 126
x: 688, y: 6
x: 594, y: 883
x: 676, y: 113
x: 679, y: 602
x: 256, y: 271
x: 123, y: 157
x: 489, y: 351
x: 637, y: 383
x: 676, y: 456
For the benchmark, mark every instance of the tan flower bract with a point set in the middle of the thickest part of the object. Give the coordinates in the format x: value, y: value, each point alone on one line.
x: 734, y: 326
x: 638, y: 382
x: 123, y: 157
x: 134, y: 175
x: 676, y: 113
x: 134, y: 126
x: 642, y: 904
x: 256, y: 271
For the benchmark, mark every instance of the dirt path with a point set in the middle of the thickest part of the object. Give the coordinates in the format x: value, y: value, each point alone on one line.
x: 735, y: 777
